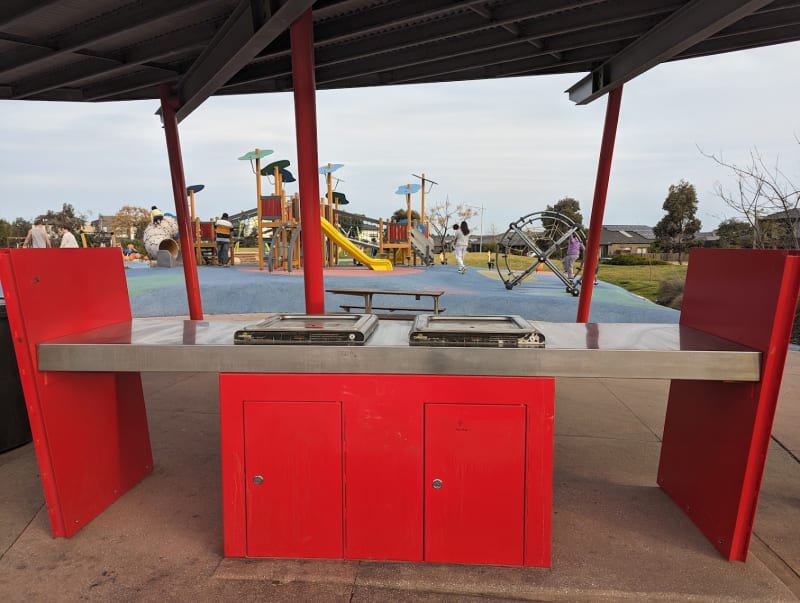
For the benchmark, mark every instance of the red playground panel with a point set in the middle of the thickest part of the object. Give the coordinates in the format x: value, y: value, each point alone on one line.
x: 451, y: 469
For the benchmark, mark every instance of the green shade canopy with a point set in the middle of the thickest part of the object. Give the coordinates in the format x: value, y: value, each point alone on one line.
x: 256, y: 155
x: 340, y: 198
x: 269, y: 170
x: 195, y: 188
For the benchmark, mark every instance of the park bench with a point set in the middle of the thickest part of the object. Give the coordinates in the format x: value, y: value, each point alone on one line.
x: 393, y: 311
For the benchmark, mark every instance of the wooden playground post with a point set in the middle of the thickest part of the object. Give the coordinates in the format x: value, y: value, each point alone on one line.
x: 407, y: 250
x: 258, y: 211
x: 422, y: 206
x: 250, y: 156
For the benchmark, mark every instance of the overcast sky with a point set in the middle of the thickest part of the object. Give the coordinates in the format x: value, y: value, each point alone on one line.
x: 512, y: 146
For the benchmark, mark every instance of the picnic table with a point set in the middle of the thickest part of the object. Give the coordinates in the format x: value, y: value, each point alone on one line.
x: 368, y: 296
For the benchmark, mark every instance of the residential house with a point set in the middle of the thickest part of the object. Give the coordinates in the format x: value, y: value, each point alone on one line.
x: 788, y: 224
x: 625, y: 239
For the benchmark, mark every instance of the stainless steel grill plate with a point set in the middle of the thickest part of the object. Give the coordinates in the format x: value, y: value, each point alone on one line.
x: 309, y: 329
x: 475, y: 331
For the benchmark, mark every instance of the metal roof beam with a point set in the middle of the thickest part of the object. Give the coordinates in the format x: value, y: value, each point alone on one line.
x: 73, y: 41
x: 11, y: 10
x: 246, y: 33
x: 538, y: 27
x: 694, y: 23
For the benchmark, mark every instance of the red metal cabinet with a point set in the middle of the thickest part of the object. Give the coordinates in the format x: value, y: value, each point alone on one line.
x: 377, y: 442
x: 474, y: 483
x: 383, y: 472
x: 293, y: 479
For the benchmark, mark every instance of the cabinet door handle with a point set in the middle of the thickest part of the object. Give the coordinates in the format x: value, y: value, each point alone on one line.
x: 258, y: 480
x: 437, y: 484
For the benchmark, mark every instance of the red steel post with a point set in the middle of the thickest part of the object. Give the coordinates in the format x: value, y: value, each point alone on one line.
x: 169, y: 105
x: 599, y: 203
x: 305, y: 117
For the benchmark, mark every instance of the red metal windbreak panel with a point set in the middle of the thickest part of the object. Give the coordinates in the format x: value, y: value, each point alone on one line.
x: 716, y: 435
x: 539, y: 472
x: 296, y: 448
x: 478, y: 453
x: 233, y: 389
x: 383, y: 469
x: 89, y: 429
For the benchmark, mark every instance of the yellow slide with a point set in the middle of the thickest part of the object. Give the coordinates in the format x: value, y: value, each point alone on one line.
x: 353, y: 250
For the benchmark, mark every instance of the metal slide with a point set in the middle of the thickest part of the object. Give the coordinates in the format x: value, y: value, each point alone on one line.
x: 422, y: 246
x: 353, y: 250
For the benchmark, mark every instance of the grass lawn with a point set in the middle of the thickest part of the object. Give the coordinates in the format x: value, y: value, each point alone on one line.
x: 641, y: 280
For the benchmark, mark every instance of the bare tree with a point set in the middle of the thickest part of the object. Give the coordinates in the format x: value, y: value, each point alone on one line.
x: 763, y: 190
x: 440, y: 215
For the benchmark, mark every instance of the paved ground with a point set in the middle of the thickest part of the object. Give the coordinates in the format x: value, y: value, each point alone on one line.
x: 616, y: 536
x: 244, y: 289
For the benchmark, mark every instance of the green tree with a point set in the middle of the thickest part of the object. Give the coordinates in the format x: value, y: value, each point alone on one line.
x: 402, y: 214
x: 352, y: 224
x: 67, y: 217
x: 569, y: 207
x: 735, y: 233
x: 675, y: 231
x: 20, y: 227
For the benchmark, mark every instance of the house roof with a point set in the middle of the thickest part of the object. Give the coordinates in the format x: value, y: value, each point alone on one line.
x: 623, y: 236
x: 106, y: 50
x: 791, y: 214
x: 638, y: 229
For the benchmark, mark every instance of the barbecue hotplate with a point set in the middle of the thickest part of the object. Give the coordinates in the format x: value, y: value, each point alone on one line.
x: 475, y: 331
x: 309, y: 329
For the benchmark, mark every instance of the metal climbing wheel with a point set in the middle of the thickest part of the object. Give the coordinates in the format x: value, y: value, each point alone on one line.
x: 537, y: 239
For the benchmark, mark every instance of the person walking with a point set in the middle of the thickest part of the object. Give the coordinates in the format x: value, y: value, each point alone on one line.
x: 460, y: 244
x: 574, y: 247
x: 67, y: 238
x: 37, y: 236
x: 223, y: 230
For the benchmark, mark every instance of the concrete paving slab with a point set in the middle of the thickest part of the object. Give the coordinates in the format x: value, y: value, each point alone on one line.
x: 587, y: 407
x: 787, y: 416
x: 21, y: 495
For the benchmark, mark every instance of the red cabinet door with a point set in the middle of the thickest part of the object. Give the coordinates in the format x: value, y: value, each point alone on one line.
x: 293, y: 479
x: 474, y: 483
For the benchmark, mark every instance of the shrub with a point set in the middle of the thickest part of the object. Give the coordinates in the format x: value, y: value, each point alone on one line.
x: 634, y: 260
x: 670, y: 293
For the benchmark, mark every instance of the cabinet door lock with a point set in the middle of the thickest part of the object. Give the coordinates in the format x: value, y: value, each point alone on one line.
x: 437, y: 483
x: 258, y: 480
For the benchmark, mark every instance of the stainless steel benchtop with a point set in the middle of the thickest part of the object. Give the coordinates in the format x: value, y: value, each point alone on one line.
x: 629, y: 350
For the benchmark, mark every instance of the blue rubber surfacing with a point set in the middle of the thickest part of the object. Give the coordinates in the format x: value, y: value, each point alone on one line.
x: 243, y: 290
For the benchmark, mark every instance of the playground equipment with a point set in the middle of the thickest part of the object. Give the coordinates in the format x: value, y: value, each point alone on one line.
x: 337, y: 239
x: 541, y: 237
x: 281, y: 218
x: 256, y: 156
x: 204, y: 244
x: 329, y: 209
x: 408, y: 240
x: 159, y: 242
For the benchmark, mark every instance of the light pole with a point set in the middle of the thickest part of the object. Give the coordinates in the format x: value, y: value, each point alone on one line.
x: 480, y: 242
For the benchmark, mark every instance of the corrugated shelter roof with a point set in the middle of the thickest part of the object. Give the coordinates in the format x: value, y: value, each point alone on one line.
x: 106, y: 50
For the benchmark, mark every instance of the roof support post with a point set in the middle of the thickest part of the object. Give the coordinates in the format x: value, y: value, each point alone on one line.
x: 592, y: 250
x: 169, y: 107
x: 305, y: 118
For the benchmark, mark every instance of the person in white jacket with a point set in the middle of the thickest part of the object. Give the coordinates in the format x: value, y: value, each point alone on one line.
x: 460, y: 244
